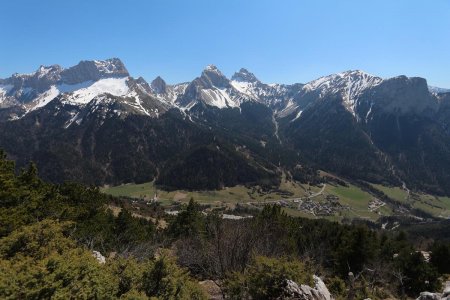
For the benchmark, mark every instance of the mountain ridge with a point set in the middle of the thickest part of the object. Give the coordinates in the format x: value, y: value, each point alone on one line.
x: 351, y: 123
x: 212, y: 87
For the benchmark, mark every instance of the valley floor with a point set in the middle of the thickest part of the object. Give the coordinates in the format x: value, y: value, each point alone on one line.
x: 330, y: 201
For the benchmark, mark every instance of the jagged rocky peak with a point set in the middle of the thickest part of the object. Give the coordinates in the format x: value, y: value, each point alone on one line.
x: 159, y: 86
x: 41, y: 72
x: 349, y: 85
x: 244, y: 76
x: 50, y: 72
x: 332, y: 82
x: 212, y: 77
x: 94, y: 70
x: 38, y: 80
x: 356, y: 74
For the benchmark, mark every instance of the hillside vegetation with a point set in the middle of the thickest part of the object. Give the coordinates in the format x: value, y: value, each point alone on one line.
x: 48, y: 233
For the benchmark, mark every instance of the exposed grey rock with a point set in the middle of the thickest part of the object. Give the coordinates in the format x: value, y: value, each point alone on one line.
x: 94, y: 70
x: 212, y: 289
x: 446, y: 292
x: 38, y: 81
x: 437, y: 296
x: 304, y: 292
x: 429, y: 296
x: 212, y: 77
x: 100, y: 258
x: 159, y: 86
x: 402, y: 95
x: 244, y: 76
x: 211, y: 88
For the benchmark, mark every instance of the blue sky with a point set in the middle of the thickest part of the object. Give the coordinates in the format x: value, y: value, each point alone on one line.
x: 280, y: 40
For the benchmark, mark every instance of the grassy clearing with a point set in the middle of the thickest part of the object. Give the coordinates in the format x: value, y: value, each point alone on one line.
x: 437, y: 206
x: 434, y: 205
x: 396, y: 193
x: 358, y: 200
x: 351, y: 196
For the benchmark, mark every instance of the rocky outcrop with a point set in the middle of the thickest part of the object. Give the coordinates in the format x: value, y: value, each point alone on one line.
x: 446, y: 292
x: 437, y: 296
x: 429, y: 296
x: 304, y: 292
x: 100, y: 258
x: 211, y: 289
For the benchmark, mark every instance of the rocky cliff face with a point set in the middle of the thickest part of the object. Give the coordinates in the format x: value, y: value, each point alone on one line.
x: 39, y: 80
x: 401, y: 95
x: 94, y: 70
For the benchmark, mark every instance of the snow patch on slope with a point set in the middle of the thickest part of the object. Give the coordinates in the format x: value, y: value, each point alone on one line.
x: 74, y: 118
x: 299, y: 113
x: 113, y: 86
x: 44, y: 98
x: 81, y: 93
x: 246, y: 88
x: 218, y: 97
x: 138, y: 104
x: 4, y: 89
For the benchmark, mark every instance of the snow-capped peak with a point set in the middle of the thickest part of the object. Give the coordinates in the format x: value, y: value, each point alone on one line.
x: 349, y: 85
x: 212, y: 70
x: 349, y: 79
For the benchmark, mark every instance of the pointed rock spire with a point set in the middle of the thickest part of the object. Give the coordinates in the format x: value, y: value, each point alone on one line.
x: 158, y: 85
x: 244, y: 76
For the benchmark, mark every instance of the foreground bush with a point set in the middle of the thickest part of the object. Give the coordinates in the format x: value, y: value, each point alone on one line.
x: 41, y: 261
x: 265, y: 278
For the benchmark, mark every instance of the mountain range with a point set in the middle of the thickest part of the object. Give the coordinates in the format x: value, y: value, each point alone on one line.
x: 96, y: 124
